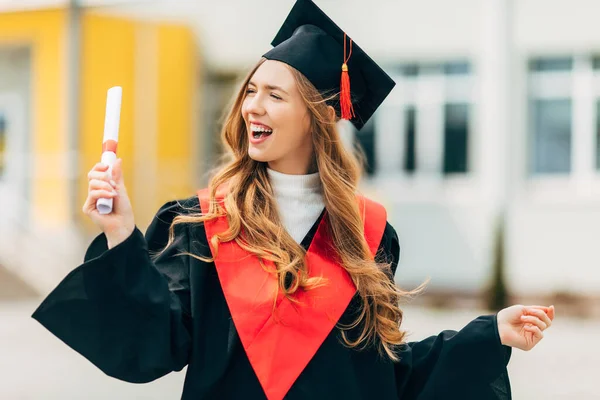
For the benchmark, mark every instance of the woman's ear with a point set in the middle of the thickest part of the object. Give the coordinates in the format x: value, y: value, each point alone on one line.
x: 332, y: 115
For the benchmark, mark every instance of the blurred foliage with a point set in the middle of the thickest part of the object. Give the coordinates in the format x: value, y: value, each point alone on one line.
x: 497, y: 293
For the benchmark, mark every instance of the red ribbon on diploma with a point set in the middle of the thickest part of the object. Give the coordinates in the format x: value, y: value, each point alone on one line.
x: 109, y: 145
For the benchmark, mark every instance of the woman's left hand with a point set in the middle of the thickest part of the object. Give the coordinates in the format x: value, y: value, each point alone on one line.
x: 522, y: 326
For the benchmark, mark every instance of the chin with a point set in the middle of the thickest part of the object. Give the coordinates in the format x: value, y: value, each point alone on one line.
x: 258, y: 156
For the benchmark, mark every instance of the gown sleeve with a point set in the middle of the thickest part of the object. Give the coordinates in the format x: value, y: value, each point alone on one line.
x: 124, y: 310
x: 469, y: 364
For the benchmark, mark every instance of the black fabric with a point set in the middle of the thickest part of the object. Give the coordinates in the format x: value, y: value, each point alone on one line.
x: 138, y: 317
x: 313, y: 44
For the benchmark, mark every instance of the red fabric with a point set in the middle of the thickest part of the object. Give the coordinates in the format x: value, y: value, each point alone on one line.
x: 280, y: 341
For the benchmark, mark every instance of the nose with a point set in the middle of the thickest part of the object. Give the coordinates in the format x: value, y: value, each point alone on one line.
x: 254, y: 105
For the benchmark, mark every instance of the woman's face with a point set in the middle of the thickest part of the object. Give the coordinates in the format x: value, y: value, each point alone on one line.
x: 277, y: 120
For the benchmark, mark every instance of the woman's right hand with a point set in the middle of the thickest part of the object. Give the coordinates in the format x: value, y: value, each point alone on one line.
x: 119, y: 224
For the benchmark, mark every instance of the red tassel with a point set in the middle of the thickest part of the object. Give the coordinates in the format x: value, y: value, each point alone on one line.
x: 345, y: 97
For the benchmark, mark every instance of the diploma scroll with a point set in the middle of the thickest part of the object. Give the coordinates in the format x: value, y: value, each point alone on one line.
x: 111, y: 138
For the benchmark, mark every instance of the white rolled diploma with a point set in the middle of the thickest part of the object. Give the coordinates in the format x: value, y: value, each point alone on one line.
x: 111, y: 138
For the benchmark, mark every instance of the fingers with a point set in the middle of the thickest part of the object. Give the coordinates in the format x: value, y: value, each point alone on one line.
x: 537, y: 332
x: 100, y: 167
x: 543, y: 308
x: 97, y: 194
x: 100, y: 171
x: 536, y: 314
x: 97, y: 184
x: 102, y: 185
x: 541, y: 315
x: 534, y: 320
x: 117, y: 171
x: 93, y: 196
x: 98, y: 175
x: 550, y: 311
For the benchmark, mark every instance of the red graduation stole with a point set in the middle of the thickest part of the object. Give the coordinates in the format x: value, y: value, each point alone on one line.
x: 280, y: 342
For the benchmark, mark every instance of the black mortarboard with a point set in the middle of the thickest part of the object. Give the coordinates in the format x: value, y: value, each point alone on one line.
x: 313, y: 44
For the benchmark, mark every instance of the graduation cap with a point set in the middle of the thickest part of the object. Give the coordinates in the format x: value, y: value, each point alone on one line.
x: 312, y: 43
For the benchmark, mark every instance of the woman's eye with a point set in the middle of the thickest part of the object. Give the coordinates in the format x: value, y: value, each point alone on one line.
x: 275, y: 96
x: 249, y: 91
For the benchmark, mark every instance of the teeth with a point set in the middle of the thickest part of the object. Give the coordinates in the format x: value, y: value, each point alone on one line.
x: 256, y: 128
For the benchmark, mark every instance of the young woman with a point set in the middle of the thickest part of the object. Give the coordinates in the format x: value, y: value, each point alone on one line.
x: 277, y: 280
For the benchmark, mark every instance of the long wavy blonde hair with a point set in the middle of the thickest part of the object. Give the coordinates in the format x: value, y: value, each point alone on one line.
x: 255, y: 225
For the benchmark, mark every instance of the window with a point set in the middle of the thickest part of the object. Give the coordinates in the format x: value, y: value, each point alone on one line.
x: 3, y: 149
x: 551, y: 115
x: 425, y: 126
x: 457, y: 68
x: 598, y: 134
x: 552, y: 136
x: 410, y: 161
x: 596, y: 66
x: 218, y: 87
x: 456, y: 134
x: 365, y: 139
x: 450, y: 84
x: 551, y: 64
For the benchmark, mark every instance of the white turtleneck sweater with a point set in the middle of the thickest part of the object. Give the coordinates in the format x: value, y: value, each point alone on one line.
x: 299, y: 201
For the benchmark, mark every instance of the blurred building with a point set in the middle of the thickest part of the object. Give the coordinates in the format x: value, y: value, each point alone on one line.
x: 495, y: 113
x: 57, y: 62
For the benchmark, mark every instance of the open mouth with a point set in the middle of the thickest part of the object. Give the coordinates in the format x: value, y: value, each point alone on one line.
x: 260, y: 131
x: 258, y: 135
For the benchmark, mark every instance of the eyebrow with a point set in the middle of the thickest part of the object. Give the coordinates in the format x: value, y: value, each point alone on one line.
x: 270, y: 87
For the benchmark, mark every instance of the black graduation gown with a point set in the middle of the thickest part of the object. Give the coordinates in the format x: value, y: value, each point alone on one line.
x: 137, y: 318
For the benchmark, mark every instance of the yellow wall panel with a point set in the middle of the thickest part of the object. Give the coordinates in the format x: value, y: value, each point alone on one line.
x: 157, y: 66
x: 107, y: 59
x: 45, y: 32
x: 177, y: 133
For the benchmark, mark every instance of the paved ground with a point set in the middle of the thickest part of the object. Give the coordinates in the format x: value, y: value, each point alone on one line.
x: 13, y: 288
x: 36, y: 365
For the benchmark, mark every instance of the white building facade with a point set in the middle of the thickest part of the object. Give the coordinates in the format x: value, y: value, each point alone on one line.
x: 496, y: 111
